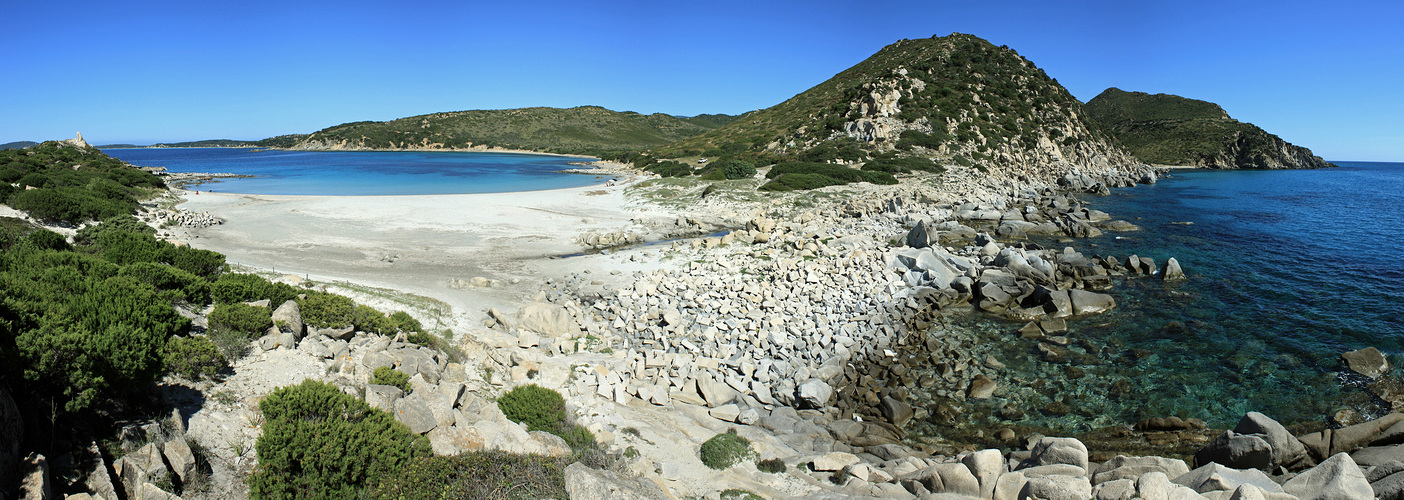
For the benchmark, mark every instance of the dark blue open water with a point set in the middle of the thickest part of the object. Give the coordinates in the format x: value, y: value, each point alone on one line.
x: 1287, y: 270
x: 364, y: 173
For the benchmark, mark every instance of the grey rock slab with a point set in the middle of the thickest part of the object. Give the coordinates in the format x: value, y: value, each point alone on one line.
x: 415, y: 414
x: 815, y: 393
x: 288, y: 318
x: 1053, y: 470
x: 383, y: 396
x: 1124, y: 467
x: 1351, y: 438
x: 1337, y: 478
x: 955, y: 478
x: 1369, y: 362
x: 1118, y: 489
x: 833, y: 461
x: 584, y: 482
x: 1390, y: 487
x: 1085, y: 302
x: 1216, y: 477
x: 1060, y: 450
x: 1154, y: 486
x: 1008, y: 486
x: 1057, y: 488
x: 1238, y: 451
x: 1286, y: 450
x: 725, y: 413
x: 180, y: 457
x: 896, y: 412
x: 986, y: 465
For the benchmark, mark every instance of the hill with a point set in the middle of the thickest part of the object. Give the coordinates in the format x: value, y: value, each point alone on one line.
x: 581, y: 130
x: 282, y: 141
x: 18, y: 145
x: 958, y: 100
x: 1172, y: 130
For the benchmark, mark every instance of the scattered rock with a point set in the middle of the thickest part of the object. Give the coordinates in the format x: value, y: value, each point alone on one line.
x: 1369, y: 362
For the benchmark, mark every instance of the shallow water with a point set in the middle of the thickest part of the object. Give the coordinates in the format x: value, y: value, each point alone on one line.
x: 362, y: 173
x: 1287, y: 270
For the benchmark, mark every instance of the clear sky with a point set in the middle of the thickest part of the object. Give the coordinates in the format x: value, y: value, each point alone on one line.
x: 1325, y: 75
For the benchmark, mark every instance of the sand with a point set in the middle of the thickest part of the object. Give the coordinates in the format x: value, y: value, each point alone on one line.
x: 427, y: 245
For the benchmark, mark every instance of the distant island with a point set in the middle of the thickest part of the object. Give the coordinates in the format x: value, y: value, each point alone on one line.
x: 1172, y: 130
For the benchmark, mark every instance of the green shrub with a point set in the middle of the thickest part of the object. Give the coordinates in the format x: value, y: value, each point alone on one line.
x: 122, y: 222
x: 48, y: 240
x: 670, y: 168
x: 319, y: 442
x: 772, y: 466
x: 541, y: 409
x: 739, y: 494
x: 903, y: 165
x: 799, y: 182
x: 248, y: 320
x: 913, y: 138
x: 484, y: 474
x: 402, y: 321
x: 193, y: 357
x: 725, y: 450
x: 188, y: 287
x: 240, y: 287
x: 327, y: 310
x: 389, y: 376
x: 735, y: 169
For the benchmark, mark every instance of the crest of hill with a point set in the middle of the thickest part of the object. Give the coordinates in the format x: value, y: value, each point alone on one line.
x: 956, y: 99
x: 579, y: 130
x: 18, y: 145
x: 282, y: 141
x: 1172, y: 130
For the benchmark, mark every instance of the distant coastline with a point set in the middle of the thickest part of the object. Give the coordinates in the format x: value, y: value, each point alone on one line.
x: 475, y: 149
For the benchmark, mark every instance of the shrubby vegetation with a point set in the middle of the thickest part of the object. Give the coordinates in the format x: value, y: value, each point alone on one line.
x: 485, y: 474
x: 725, y: 450
x: 802, y: 175
x: 902, y: 165
x: 319, y: 442
x: 194, y: 357
x: 543, y: 409
x: 51, y: 188
x: 249, y: 321
x: 389, y: 376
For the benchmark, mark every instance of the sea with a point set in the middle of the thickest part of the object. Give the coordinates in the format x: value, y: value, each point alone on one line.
x: 1287, y: 269
x: 364, y: 173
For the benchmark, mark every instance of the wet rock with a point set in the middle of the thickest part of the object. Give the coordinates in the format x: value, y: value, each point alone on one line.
x: 1172, y: 270
x: 1085, y: 302
x: 1369, y: 362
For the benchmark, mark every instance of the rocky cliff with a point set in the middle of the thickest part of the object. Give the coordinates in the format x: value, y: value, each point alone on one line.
x: 1172, y: 130
x: 958, y: 100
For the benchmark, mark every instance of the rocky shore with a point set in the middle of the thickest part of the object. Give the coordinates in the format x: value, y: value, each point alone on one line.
x: 819, y: 335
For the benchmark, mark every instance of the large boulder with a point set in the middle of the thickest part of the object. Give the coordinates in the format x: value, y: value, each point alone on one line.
x: 36, y: 483
x: 1060, y: 450
x: 1123, y: 467
x: 1239, y: 451
x: 1286, y: 450
x: 288, y: 318
x: 814, y: 393
x: 549, y: 320
x: 584, y: 482
x: 1338, y: 478
x: 1057, y: 488
x: 1085, y: 302
x: 1216, y: 477
x: 986, y: 465
x: 415, y: 414
x: 920, y: 236
x: 1172, y: 270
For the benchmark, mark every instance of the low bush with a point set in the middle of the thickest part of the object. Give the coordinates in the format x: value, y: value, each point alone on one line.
x: 250, y: 321
x: 327, y: 310
x: 319, y: 442
x: 122, y: 222
x: 799, y: 182
x: 913, y: 138
x: 903, y: 165
x: 541, y: 409
x: 403, y: 322
x: 725, y: 450
x: 184, y: 286
x: 389, y: 376
x: 240, y: 287
x: 194, y: 358
x: 736, y: 169
x: 670, y: 168
x: 485, y: 474
x: 772, y: 466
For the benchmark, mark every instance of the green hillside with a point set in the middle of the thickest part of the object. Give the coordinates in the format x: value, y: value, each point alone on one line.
x: 1172, y: 130
x: 282, y: 141
x: 958, y: 100
x: 18, y: 145
x: 584, y: 129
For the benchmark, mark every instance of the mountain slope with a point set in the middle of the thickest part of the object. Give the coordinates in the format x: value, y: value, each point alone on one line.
x: 18, y: 145
x: 956, y: 99
x: 581, y: 129
x: 1172, y: 130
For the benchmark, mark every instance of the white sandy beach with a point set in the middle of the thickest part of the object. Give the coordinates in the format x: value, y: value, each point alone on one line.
x: 420, y: 244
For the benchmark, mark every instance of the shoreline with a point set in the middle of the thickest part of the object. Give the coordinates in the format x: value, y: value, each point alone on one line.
x: 377, y: 150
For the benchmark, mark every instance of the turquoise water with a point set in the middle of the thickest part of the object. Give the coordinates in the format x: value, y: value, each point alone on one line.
x: 1287, y: 270
x: 365, y: 173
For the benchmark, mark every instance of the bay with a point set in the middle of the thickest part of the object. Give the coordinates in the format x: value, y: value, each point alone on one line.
x: 364, y: 173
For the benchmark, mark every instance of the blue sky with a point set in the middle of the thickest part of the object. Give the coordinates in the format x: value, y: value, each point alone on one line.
x: 1325, y: 75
